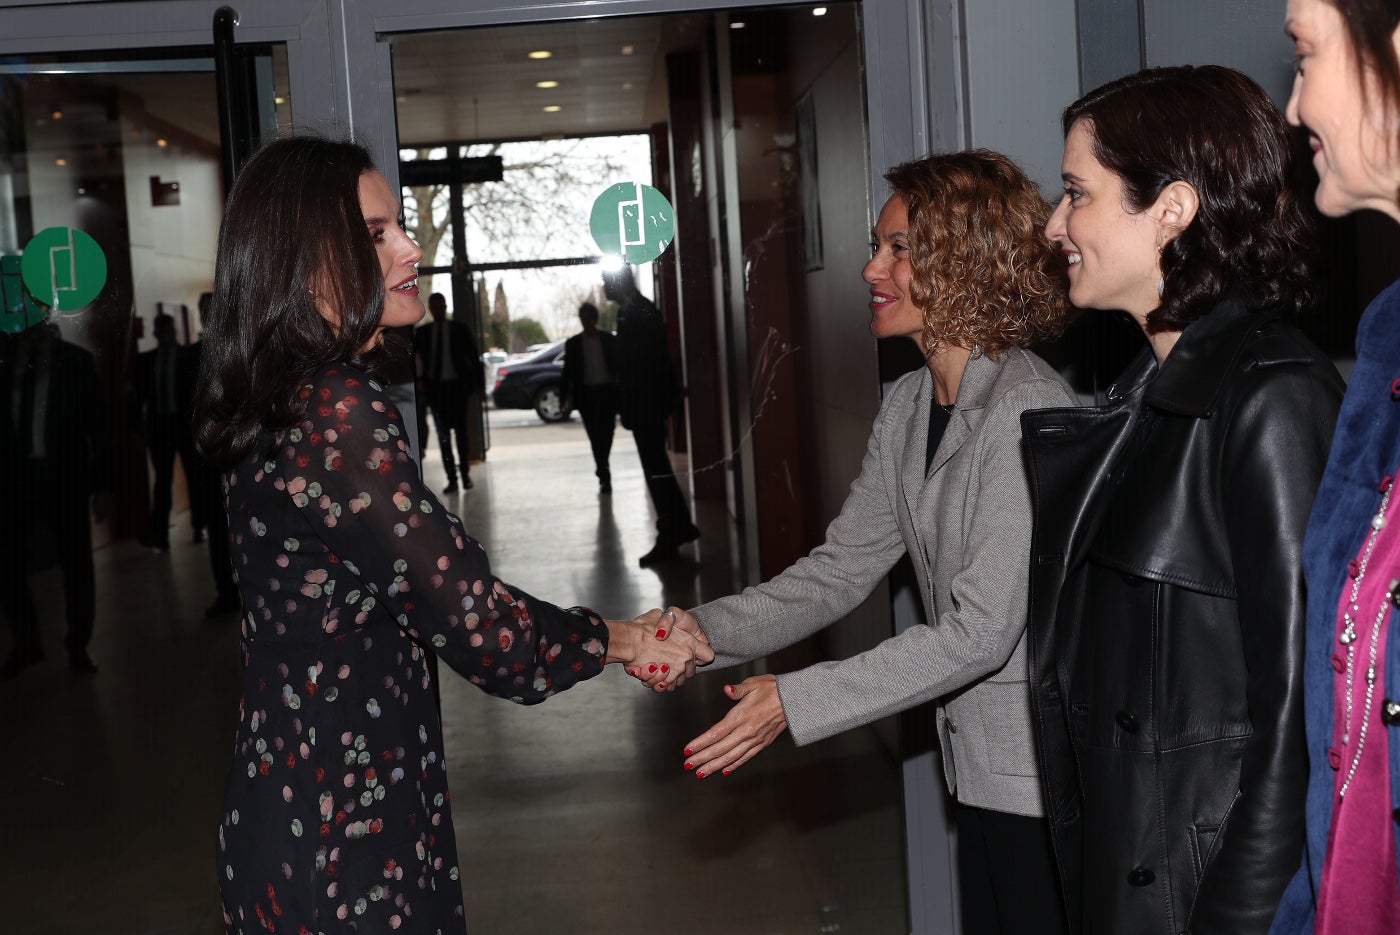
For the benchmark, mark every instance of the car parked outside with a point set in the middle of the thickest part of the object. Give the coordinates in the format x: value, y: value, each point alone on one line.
x: 533, y: 382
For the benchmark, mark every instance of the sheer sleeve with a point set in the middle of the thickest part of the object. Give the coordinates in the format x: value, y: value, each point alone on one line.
x: 347, y: 469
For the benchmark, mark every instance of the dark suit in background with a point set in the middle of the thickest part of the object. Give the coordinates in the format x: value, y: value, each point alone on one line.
x: 163, y: 394
x: 590, y: 386
x: 449, y: 364
x: 57, y: 456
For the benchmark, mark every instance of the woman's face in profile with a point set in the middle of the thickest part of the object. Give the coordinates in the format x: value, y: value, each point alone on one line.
x: 1348, y: 136
x: 892, y: 309
x: 398, y: 254
x: 1113, y: 253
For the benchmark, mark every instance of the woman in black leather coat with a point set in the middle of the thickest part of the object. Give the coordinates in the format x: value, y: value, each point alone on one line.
x: 1167, y: 614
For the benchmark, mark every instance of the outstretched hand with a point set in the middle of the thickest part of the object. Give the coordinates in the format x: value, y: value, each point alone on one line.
x: 756, y: 720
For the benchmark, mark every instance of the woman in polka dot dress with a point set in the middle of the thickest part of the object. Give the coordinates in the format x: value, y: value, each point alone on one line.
x: 338, y: 816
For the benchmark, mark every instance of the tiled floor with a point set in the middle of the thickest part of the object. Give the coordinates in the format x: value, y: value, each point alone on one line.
x: 573, y: 817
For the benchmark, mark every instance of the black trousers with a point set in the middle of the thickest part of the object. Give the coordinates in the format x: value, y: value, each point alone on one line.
x: 448, y: 401
x: 1007, y: 879
x: 168, y: 436
x: 37, y: 500
x: 672, y: 513
x: 220, y: 561
x: 598, y: 407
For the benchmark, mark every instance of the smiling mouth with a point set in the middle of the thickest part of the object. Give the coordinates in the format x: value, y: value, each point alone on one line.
x: 1073, y: 258
x: 406, y: 285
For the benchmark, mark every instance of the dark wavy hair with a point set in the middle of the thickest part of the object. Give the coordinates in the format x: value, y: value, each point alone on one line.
x: 1216, y: 129
x: 981, y: 268
x: 1370, y: 25
x: 292, y: 234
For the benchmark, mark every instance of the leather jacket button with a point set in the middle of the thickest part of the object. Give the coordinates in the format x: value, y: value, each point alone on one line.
x: 1390, y: 713
x: 1127, y: 720
x: 1140, y: 876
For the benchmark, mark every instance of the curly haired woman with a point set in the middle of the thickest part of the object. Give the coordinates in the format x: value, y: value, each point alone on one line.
x: 960, y: 268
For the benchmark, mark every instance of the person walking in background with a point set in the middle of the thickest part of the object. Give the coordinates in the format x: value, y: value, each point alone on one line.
x: 451, y: 369
x: 163, y: 393
x: 1166, y: 591
x: 943, y: 483
x: 590, y: 375
x: 57, y: 461
x: 648, y: 392
x: 1347, y: 97
x: 337, y: 805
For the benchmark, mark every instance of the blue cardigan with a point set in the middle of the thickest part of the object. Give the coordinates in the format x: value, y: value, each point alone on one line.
x: 1365, y: 449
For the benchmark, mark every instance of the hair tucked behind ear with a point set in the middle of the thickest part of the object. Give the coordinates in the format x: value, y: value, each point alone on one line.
x: 981, y: 268
x: 1214, y: 128
x: 292, y: 227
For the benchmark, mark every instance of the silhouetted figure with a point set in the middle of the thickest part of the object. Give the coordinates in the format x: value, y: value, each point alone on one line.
x: 451, y: 369
x: 211, y: 491
x: 590, y: 386
x: 648, y: 393
x: 57, y: 458
x: 163, y: 394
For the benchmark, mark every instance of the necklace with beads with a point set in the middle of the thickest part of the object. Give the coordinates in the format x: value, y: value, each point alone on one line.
x: 1348, y: 639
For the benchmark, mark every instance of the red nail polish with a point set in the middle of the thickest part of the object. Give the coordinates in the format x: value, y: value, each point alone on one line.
x: 688, y: 751
x: 661, y: 687
x: 665, y: 667
x: 632, y: 672
x: 660, y: 634
x: 652, y: 667
x: 700, y: 775
x: 689, y: 765
x: 725, y: 771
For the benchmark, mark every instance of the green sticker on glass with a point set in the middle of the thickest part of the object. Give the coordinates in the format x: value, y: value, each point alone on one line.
x: 64, y: 268
x: 633, y: 221
x: 18, y: 310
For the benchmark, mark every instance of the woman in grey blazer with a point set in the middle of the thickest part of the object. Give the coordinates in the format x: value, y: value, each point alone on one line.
x: 960, y: 267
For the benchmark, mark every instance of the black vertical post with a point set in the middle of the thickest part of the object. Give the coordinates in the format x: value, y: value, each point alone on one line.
x: 226, y: 66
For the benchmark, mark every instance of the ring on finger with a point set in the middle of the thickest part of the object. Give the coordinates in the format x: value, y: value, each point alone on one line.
x: 668, y: 612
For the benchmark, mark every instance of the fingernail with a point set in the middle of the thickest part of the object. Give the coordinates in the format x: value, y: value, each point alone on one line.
x: 725, y: 771
x: 652, y: 667
x: 660, y: 634
x: 688, y: 751
x: 662, y: 686
x: 665, y: 667
x: 689, y: 765
x: 632, y: 672
x: 700, y: 775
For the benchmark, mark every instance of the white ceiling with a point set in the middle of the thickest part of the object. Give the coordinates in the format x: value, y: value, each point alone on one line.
x: 480, y: 84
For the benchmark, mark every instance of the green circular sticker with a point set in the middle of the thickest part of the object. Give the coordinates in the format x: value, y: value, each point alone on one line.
x: 63, y: 268
x: 633, y: 221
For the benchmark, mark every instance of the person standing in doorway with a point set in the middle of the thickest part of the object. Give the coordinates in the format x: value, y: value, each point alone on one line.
x: 58, y: 462
x: 590, y: 373
x: 451, y: 368
x: 648, y: 393
x: 164, y: 388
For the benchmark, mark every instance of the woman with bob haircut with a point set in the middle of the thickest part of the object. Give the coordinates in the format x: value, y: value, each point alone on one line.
x: 961, y: 269
x: 1347, y: 97
x: 337, y: 813
x: 1166, y: 599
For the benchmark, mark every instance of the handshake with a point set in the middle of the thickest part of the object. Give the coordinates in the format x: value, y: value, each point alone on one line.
x: 663, y: 648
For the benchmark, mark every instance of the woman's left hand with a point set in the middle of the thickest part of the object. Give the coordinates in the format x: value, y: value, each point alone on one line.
x: 755, y: 721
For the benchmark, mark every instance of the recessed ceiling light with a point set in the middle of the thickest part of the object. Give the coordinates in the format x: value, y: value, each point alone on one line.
x: 546, y: 84
x: 279, y: 99
x: 162, y: 143
x: 819, y: 11
x: 60, y: 161
x: 552, y: 108
x: 627, y: 50
x: 738, y: 24
x: 57, y: 114
x: 541, y: 53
